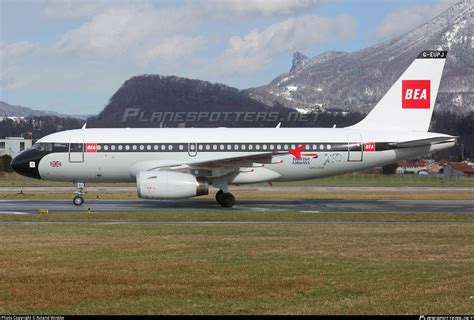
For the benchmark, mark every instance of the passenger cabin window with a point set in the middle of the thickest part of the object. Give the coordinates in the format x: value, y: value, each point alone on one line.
x: 77, y: 147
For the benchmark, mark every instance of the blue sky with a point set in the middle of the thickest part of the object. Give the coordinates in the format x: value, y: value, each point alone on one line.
x: 70, y: 56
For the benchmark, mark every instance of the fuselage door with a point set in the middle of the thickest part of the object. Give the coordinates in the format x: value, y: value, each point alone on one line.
x: 76, y: 147
x: 354, y: 147
x: 192, y: 149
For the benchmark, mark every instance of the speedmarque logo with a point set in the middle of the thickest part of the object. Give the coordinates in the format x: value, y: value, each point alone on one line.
x: 416, y: 94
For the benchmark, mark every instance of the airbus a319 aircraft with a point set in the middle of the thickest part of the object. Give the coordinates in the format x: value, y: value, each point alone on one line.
x: 183, y: 163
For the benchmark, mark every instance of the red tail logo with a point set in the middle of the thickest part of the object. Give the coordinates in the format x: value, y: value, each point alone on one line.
x: 416, y: 94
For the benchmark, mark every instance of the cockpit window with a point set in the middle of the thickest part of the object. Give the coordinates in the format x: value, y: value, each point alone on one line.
x: 37, y: 146
x: 43, y: 146
x: 60, y: 147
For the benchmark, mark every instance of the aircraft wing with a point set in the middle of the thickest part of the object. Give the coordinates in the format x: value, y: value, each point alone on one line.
x: 423, y: 142
x: 261, y: 157
x: 227, y: 164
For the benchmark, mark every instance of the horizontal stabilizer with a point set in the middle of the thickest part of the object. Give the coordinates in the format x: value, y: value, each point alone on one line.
x: 423, y: 142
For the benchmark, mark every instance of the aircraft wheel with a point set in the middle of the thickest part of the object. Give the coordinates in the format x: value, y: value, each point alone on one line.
x: 78, y: 200
x: 227, y: 200
x: 219, y: 195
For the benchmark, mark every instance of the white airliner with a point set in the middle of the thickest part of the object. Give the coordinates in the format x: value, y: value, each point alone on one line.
x: 182, y: 163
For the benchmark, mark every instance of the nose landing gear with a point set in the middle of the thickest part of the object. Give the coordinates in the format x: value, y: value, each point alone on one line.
x: 78, y: 200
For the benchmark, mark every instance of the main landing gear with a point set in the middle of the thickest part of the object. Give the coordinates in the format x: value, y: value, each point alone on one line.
x: 78, y: 200
x: 225, y: 199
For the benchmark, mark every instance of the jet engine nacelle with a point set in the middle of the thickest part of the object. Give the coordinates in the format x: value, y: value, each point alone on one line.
x: 170, y: 185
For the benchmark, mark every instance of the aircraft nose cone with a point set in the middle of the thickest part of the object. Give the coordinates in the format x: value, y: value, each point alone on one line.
x: 15, y: 164
x: 26, y: 164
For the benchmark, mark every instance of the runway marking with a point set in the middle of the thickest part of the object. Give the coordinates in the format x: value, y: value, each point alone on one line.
x: 13, y: 212
x: 310, y: 211
x: 243, y: 207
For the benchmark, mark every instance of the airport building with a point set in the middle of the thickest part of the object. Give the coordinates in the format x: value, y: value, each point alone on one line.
x: 14, y: 145
x: 463, y: 169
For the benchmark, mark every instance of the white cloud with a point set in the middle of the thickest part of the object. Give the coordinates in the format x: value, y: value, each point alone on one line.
x: 408, y: 18
x: 119, y: 39
x: 205, y: 8
x: 16, y: 50
x: 256, y: 49
x: 11, y: 57
x: 255, y: 8
x: 83, y: 8
x: 119, y: 29
x: 173, y: 48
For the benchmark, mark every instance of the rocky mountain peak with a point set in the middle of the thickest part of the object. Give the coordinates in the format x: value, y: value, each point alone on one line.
x: 356, y: 81
x: 298, y: 60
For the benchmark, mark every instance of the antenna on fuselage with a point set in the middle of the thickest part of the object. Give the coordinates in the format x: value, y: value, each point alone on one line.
x: 278, y: 125
x: 84, y: 126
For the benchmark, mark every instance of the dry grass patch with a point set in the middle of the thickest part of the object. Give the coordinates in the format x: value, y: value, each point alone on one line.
x: 259, y: 194
x: 232, y: 269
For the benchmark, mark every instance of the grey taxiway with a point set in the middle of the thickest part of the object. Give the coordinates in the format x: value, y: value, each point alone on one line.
x: 303, y: 206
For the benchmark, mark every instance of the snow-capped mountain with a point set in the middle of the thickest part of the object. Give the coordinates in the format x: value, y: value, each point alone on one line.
x: 16, y: 111
x: 357, y: 80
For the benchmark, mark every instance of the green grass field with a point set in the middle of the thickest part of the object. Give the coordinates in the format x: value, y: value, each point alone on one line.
x: 237, y: 269
x: 354, y: 263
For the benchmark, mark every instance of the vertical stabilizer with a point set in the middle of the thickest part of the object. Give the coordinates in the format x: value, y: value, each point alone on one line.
x: 409, y: 103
